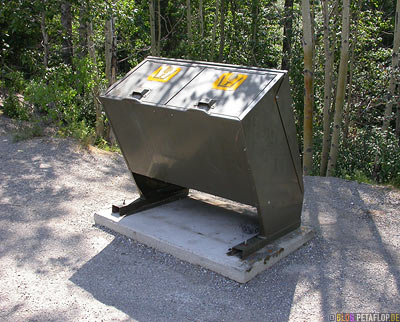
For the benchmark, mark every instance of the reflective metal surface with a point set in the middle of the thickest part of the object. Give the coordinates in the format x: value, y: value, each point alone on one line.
x: 222, y: 129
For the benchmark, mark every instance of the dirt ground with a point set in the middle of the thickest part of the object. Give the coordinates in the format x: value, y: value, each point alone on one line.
x: 56, y: 265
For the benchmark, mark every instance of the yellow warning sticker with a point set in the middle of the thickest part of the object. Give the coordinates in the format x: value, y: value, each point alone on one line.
x: 229, y: 81
x: 164, y: 73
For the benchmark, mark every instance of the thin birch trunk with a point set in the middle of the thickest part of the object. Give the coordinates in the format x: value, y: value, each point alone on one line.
x: 45, y: 36
x: 346, y: 122
x: 327, y: 91
x: 153, y: 49
x: 254, y: 33
x: 222, y: 31
x: 234, y: 27
x: 82, y: 52
x: 308, y: 86
x: 111, y: 64
x: 110, y: 50
x: 66, y: 22
x: 398, y: 121
x: 201, y: 19
x: 214, y: 31
x: 95, y: 90
x: 341, y: 88
x: 159, y: 29
x: 287, y: 34
x: 395, y: 66
x: 189, y: 25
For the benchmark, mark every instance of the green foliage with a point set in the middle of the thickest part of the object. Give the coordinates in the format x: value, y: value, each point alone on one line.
x: 253, y: 36
x: 14, y: 108
x: 358, y: 176
x: 64, y: 94
x: 28, y: 132
x: 79, y: 131
x: 104, y: 145
x: 14, y: 80
x: 396, y: 182
x: 370, y: 155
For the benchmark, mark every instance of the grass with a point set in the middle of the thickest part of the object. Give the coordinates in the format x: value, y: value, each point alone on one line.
x: 104, y: 145
x: 28, y: 132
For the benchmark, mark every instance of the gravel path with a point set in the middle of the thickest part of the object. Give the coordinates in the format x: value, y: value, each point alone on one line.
x: 56, y: 265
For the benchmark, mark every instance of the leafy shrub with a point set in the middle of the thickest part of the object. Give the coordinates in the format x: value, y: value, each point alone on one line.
x: 66, y: 94
x: 29, y: 132
x: 80, y: 131
x: 14, y: 108
x: 15, y: 81
x: 370, y: 156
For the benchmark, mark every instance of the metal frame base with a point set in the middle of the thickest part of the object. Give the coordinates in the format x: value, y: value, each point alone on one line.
x: 252, y: 245
x: 153, y: 193
x: 143, y: 203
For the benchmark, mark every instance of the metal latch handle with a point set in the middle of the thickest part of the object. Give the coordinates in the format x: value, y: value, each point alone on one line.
x: 139, y: 93
x: 206, y: 103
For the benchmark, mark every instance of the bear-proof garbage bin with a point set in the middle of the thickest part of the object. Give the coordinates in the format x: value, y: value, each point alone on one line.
x: 222, y: 129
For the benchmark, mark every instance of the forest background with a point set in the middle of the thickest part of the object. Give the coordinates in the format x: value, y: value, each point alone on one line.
x: 342, y: 57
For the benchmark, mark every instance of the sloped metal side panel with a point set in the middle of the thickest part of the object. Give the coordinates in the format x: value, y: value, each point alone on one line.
x: 186, y: 148
x: 285, y: 107
x: 279, y: 194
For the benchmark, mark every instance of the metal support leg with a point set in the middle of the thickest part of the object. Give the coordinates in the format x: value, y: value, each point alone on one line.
x: 152, y: 193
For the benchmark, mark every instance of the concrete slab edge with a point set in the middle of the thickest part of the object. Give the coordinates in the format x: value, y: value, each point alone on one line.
x: 287, y: 244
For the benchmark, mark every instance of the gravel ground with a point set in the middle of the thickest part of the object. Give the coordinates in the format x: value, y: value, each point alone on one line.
x: 56, y: 265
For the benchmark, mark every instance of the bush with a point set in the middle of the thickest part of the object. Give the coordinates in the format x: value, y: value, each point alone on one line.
x: 29, y: 132
x: 13, y: 107
x: 80, y: 131
x: 370, y: 156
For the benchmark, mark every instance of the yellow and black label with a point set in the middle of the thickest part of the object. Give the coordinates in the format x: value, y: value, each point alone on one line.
x: 164, y: 73
x: 229, y: 81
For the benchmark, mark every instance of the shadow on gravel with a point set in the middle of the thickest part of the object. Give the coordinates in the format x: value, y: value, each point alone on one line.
x: 349, y: 267
x: 355, y: 262
x: 150, y: 286
x: 39, y: 183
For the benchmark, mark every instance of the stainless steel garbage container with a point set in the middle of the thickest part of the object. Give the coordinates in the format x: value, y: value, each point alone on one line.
x: 223, y: 129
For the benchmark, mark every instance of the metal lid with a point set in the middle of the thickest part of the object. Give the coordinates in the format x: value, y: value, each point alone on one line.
x: 218, y: 89
x: 154, y: 82
x: 222, y: 90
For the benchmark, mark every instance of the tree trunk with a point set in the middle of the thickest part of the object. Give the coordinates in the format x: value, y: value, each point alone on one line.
x: 159, y: 29
x: 95, y: 90
x: 254, y: 31
x: 189, y: 25
x: 398, y: 121
x: 110, y: 50
x: 233, y: 42
x: 222, y: 31
x: 347, y: 109
x: 201, y: 19
x: 66, y: 22
x: 346, y: 122
x: 153, y: 49
x: 341, y: 88
x: 111, y: 64
x: 214, y: 31
x: 395, y: 66
x: 308, y: 87
x: 83, y: 17
x: 327, y: 91
x: 287, y: 34
x: 45, y: 36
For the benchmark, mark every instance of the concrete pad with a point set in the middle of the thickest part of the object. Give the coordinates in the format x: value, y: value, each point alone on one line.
x: 201, y: 230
